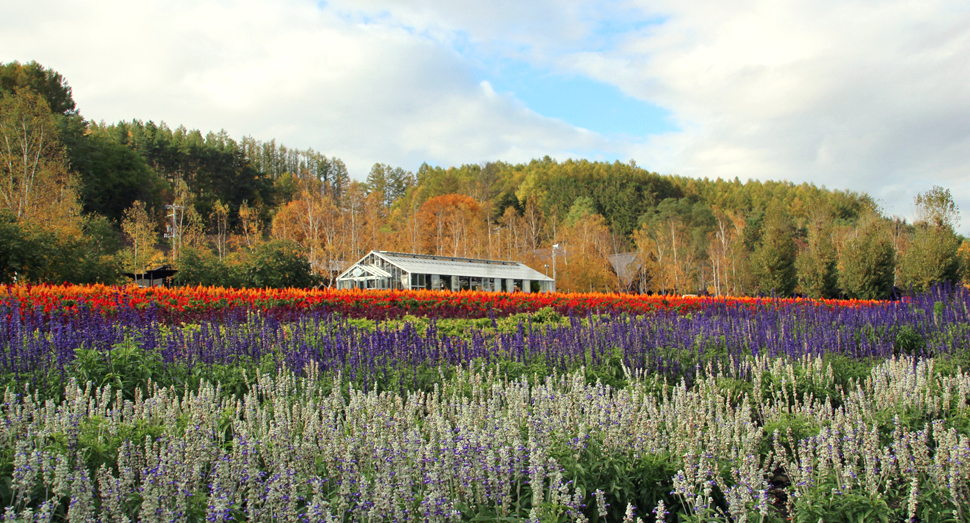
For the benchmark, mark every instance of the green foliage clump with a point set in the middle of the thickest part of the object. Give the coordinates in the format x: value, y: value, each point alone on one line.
x: 34, y: 255
x: 868, y: 264
x: 277, y: 264
x: 198, y: 267
x: 126, y: 367
x: 930, y: 259
x: 774, y: 258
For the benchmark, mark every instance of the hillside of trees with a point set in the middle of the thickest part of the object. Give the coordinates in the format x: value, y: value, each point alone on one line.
x: 83, y: 201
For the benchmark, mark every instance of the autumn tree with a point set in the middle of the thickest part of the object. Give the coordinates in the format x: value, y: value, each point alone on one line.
x: 511, y: 234
x: 219, y: 220
x: 937, y: 208
x: 49, y: 84
x: 653, y: 244
x: 534, y: 220
x: 142, y: 232
x: 404, y: 220
x: 725, y: 252
x: 930, y: 258
x: 35, y: 183
x: 648, y: 270
x: 678, y: 230
x: 184, y: 225
x: 964, y: 254
x: 194, y: 231
x: 352, y: 210
x: 250, y: 225
x: 447, y: 223
x: 103, y: 177
x: 311, y: 221
x: 376, y: 234
x: 586, y: 242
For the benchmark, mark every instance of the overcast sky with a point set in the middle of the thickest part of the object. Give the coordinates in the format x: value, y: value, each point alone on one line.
x: 870, y: 96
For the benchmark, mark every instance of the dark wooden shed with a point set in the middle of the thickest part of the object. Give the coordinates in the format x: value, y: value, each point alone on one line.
x: 153, y: 277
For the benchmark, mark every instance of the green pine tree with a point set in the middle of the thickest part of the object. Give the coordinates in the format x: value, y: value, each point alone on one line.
x: 774, y: 257
x: 868, y: 262
x: 818, y: 275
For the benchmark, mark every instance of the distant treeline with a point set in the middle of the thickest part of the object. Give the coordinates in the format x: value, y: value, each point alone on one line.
x: 83, y: 201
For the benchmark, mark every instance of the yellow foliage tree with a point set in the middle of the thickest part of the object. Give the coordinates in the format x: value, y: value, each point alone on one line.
x: 250, y: 226
x: 142, y: 232
x: 311, y: 220
x: 586, y: 260
x: 220, y: 227
x: 36, y: 185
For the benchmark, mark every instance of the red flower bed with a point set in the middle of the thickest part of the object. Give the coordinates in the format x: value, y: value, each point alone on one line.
x: 182, y: 301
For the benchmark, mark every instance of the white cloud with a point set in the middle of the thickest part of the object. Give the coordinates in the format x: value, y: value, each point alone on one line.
x: 507, y: 24
x: 870, y: 96
x: 860, y: 95
x: 287, y: 70
x: 848, y: 94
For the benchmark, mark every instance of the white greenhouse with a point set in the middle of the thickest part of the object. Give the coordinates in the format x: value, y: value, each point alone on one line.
x: 395, y: 270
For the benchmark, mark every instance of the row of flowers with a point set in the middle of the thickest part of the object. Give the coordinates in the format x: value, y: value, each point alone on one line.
x: 375, y: 304
x: 482, y: 448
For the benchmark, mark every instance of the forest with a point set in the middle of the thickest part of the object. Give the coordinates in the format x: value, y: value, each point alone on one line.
x: 84, y: 201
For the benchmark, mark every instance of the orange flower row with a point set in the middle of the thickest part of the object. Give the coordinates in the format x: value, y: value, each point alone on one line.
x: 372, y: 303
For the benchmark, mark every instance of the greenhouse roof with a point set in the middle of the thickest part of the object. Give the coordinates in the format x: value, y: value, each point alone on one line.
x: 475, y: 268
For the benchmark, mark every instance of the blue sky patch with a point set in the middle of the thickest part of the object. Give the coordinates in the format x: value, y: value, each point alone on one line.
x: 581, y: 101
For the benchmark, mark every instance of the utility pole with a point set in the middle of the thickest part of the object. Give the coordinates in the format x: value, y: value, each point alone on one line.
x: 555, y: 246
x: 172, y: 230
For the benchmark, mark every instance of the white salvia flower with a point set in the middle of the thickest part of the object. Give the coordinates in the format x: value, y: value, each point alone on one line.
x: 46, y: 510
x: 600, y: 503
x: 82, y: 507
x: 62, y: 477
x: 660, y: 511
x: 393, y: 449
x: 24, y: 474
x: 628, y: 516
x: 913, y: 496
x: 112, y: 496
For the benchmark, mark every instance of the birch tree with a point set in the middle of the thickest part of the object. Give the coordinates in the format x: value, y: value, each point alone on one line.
x: 142, y: 232
x: 35, y: 183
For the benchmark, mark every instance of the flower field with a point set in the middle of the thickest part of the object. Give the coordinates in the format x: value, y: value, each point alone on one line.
x: 203, y: 404
x: 372, y: 304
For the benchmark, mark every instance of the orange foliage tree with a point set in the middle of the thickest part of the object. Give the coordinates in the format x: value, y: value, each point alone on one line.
x: 585, y: 264
x: 312, y: 220
x: 450, y: 225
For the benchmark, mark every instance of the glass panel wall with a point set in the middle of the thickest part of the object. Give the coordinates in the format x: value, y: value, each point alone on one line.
x: 420, y: 281
x: 444, y: 282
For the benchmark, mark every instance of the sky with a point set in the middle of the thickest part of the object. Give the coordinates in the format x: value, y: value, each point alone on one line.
x: 867, y: 96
